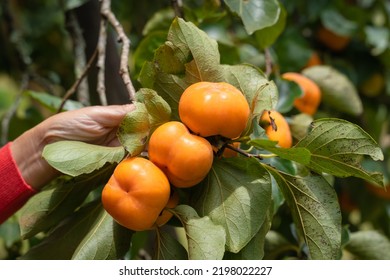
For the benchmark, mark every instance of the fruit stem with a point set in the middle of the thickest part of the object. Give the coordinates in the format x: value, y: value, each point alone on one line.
x: 268, y: 155
x: 238, y: 150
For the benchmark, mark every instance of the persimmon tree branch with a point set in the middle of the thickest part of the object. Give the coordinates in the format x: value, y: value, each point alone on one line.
x: 177, y: 7
x: 80, y: 58
x: 101, y: 60
x: 76, y: 84
x: 268, y: 62
x: 122, y: 38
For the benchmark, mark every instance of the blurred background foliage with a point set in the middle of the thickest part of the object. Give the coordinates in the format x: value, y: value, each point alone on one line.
x: 37, y: 54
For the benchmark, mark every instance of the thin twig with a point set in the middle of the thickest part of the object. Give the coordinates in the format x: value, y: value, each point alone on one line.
x: 80, y: 59
x: 178, y: 8
x: 101, y: 61
x: 122, y: 38
x: 242, y: 152
x: 268, y: 62
x: 76, y: 84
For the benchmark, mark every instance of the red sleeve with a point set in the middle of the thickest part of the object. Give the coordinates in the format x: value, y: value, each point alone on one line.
x: 14, y: 191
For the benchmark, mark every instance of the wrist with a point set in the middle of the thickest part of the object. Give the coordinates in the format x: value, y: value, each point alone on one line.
x: 27, y: 152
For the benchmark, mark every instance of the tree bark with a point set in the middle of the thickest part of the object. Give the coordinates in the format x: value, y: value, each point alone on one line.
x: 88, y: 16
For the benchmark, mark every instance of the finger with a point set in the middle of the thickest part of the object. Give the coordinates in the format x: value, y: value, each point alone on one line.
x: 110, y: 116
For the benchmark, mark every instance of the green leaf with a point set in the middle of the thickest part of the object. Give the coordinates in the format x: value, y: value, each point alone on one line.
x: 236, y: 194
x: 206, y: 240
x: 288, y: 92
x: 256, y: 14
x: 335, y: 21
x: 188, y: 42
x: 57, y: 201
x: 158, y: 109
x: 337, y: 90
x: 259, y: 92
x: 254, y: 250
x: 161, y: 20
x: 73, y: 4
x: 52, y: 102
x: 134, y: 129
x: 315, y: 211
x: 369, y: 245
x: 73, y: 237
x: 300, y: 155
x: 276, y: 246
x: 105, y: 240
x: 146, y: 48
x: 168, y: 248
x: 9, y: 232
x: 268, y: 35
x: 75, y: 158
x: 378, y: 38
x: 337, y: 147
x: 191, y: 56
x: 300, y: 125
x: 170, y: 87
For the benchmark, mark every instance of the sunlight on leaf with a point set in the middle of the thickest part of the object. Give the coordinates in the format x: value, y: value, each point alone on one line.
x: 206, y: 240
x: 337, y: 147
x: 236, y: 194
x: 75, y: 158
x: 337, y: 89
x: 369, y: 245
x: 300, y: 155
x: 256, y: 14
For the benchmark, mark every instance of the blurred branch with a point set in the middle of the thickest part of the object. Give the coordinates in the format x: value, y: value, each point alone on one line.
x: 80, y: 59
x: 78, y: 81
x: 122, y: 38
x: 101, y: 61
x: 178, y: 7
x: 268, y: 62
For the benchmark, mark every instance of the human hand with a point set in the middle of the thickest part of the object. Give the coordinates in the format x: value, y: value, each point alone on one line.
x: 95, y: 125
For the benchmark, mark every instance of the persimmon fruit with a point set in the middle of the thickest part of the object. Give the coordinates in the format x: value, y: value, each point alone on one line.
x: 136, y: 193
x: 311, y: 98
x: 166, y: 215
x: 383, y: 193
x: 373, y: 85
x: 276, y: 127
x: 209, y: 109
x: 332, y: 40
x: 313, y: 60
x: 185, y: 158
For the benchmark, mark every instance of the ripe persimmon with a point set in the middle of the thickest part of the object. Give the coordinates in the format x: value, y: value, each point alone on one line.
x: 373, y: 85
x: 185, y: 158
x: 166, y: 215
x: 311, y: 98
x: 136, y: 193
x: 332, y: 40
x: 383, y: 193
x: 313, y: 60
x: 209, y: 109
x: 276, y: 127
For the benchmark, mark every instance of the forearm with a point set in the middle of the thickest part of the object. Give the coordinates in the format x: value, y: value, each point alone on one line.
x: 14, y: 191
x: 27, y: 152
